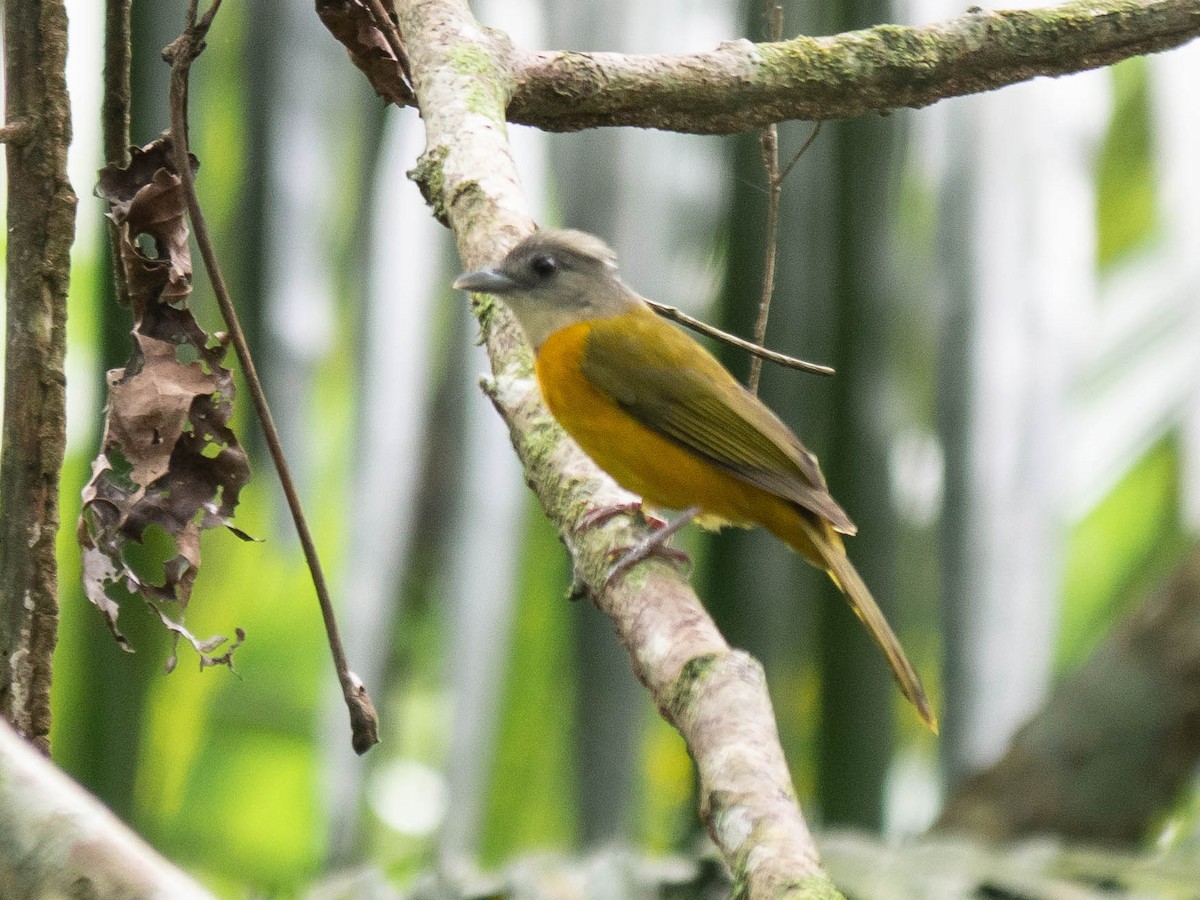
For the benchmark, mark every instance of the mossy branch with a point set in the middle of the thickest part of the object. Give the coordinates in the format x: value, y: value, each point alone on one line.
x: 716, y: 697
x: 468, y: 81
x: 741, y: 86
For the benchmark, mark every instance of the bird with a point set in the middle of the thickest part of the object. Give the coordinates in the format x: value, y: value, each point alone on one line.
x: 667, y: 421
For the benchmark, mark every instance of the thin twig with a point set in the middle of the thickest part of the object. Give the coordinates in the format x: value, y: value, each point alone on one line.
x: 676, y: 315
x: 114, y: 108
x: 769, y: 143
x: 812, y: 136
x: 181, y: 53
x: 114, y: 115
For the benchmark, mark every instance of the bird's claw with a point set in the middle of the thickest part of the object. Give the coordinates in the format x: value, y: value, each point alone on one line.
x: 602, y: 514
x: 628, y: 557
x: 654, y: 543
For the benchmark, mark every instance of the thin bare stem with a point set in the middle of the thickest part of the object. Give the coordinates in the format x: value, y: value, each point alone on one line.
x: 812, y: 137
x: 769, y: 143
x: 181, y: 53
x: 677, y: 315
x: 114, y: 115
x: 114, y: 108
x: 769, y: 139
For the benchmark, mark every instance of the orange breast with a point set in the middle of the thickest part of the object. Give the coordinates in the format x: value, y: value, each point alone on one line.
x: 639, y: 459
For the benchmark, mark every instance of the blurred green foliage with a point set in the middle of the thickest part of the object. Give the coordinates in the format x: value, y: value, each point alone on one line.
x: 531, y: 803
x: 224, y: 771
x: 1119, y: 551
x: 1125, y: 168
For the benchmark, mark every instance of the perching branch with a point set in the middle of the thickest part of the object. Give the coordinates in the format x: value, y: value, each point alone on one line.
x: 41, y: 227
x: 741, y: 86
x: 716, y: 697
x: 364, y: 722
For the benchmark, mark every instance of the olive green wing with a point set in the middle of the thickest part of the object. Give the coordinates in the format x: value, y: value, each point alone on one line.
x: 672, y: 385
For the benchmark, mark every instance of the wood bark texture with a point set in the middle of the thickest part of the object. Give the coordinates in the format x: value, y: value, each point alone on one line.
x: 59, y: 841
x: 740, y: 85
x: 41, y: 227
x: 716, y: 697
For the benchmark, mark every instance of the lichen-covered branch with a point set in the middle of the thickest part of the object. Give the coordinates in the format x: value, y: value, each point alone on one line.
x: 59, y: 841
x: 741, y: 86
x: 41, y: 227
x: 716, y: 697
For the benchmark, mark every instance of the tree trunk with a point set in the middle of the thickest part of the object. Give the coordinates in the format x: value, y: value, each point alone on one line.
x: 41, y: 227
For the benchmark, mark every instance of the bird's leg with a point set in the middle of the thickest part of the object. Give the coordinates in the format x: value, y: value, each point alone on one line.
x: 653, y: 543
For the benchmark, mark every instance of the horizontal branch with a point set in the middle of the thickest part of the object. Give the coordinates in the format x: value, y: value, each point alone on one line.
x: 741, y: 85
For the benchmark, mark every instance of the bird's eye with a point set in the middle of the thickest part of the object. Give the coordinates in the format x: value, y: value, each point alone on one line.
x: 544, y: 266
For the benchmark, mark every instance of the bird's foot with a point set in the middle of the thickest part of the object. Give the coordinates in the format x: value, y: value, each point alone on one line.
x: 602, y: 514
x: 653, y: 544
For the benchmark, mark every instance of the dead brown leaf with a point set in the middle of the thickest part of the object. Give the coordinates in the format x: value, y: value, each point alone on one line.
x: 168, y: 457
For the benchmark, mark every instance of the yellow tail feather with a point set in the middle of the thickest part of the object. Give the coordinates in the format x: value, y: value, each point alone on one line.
x: 833, y: 559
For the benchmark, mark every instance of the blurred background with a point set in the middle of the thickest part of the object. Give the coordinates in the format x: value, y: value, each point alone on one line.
x: 1007, y: 284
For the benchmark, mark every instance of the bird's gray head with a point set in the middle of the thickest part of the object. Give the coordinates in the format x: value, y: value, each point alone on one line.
x: 553, y: 279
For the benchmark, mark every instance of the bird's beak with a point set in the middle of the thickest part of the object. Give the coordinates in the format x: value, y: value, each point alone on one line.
x: 485, y: 281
